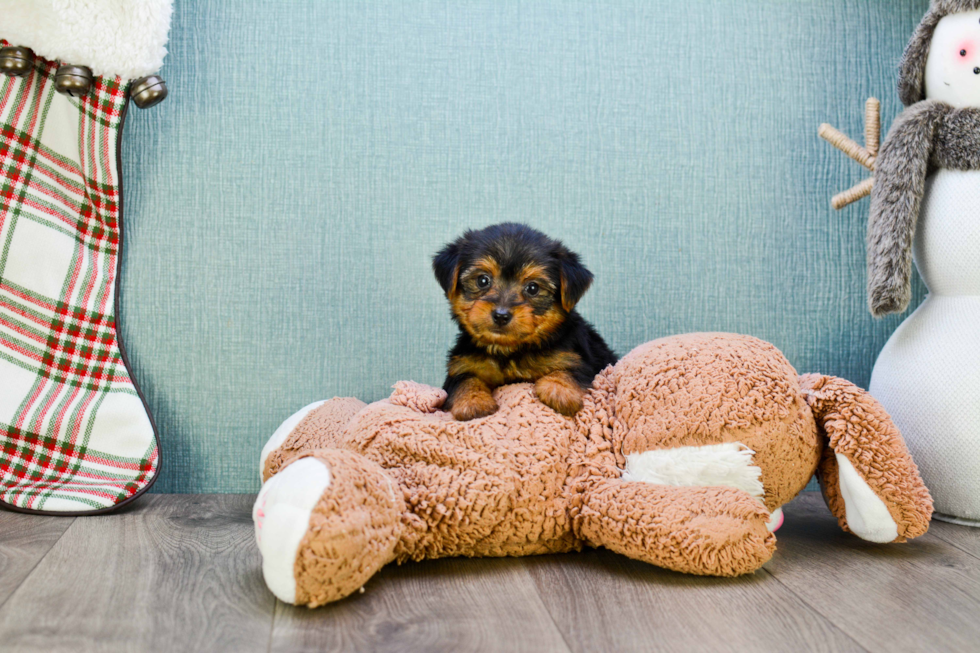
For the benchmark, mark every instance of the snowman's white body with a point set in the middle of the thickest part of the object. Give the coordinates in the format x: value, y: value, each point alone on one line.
x: 928, y: 374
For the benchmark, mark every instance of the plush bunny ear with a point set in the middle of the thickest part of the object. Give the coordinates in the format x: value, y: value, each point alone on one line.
x: 912, y: 70
x: 575, y: 278
x: 445, y: 264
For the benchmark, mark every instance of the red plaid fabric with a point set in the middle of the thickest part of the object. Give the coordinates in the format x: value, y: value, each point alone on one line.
x: 75, y: 435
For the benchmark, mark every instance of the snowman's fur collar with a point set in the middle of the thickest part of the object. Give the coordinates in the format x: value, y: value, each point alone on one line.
x: 124, y: 38
x: 912, y: 70
x: 956, y: 144
x: 945, y: 7
x: 927, y: 136
x: 900, y: 178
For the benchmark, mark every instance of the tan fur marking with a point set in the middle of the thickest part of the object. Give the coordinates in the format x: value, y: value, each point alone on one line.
x: 472, y: 400
x: 560, y: 392
x: 484, y: 368
x: 565, y: 302
x: 525, y: 328
x: 545, y: 325
x: 485, y: 264
x: 454, y: 284
x: 537, y: 365
x: 534, y: 272
x: 529, y: 367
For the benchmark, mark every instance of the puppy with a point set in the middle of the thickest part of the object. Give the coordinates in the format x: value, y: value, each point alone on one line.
x: 513, y: 292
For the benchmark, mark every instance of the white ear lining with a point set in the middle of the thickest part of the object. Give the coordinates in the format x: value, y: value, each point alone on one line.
x: 867, y: 515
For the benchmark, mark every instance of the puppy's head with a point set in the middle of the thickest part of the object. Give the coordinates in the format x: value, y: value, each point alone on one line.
x: 510, y: 285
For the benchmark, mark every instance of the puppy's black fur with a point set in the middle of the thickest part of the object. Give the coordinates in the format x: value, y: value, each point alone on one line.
x: 513, y: 292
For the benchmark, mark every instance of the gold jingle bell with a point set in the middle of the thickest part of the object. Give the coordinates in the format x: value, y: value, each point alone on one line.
x: 75, y: 81
x: 148, y: 91
x: 16, y: 61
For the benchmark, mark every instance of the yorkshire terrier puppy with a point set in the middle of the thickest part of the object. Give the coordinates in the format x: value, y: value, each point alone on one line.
x: 513, y: 292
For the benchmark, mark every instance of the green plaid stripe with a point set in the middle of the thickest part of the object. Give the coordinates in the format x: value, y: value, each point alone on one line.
x: 74, y: 434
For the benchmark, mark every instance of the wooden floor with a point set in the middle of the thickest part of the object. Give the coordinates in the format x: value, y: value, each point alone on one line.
x: 182, y: 573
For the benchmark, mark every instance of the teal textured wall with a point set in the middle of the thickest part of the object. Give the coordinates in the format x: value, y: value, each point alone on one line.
x: 282, y: 205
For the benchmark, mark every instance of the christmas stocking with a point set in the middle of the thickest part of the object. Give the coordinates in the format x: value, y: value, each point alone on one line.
x: 75, y: 433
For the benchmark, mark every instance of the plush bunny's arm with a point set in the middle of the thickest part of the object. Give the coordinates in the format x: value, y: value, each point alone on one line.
x: 896, y: 198
x: 708, y: 531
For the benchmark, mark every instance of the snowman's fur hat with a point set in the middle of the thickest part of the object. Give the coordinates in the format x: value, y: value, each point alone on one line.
x: 912, y: 72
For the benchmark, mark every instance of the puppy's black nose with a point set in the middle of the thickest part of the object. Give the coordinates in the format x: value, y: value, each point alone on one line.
x: 501, y: 316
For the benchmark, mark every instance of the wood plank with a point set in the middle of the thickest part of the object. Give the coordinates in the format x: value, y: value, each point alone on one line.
x: 453, y: 605
x: 965, y: 538
x: 24, y: 541
x: 182, y: 573
x: 602, y: 601
x: 172, y: 573
x: 923, y: 595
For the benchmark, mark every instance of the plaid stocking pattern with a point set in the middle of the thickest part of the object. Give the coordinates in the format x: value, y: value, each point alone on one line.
x: 75, y: 434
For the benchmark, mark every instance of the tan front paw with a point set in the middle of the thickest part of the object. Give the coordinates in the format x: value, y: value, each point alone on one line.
x: 471, y: 400
x: 560, y: 392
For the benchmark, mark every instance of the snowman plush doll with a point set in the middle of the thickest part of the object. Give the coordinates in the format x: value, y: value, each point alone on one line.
x: 925, y: 206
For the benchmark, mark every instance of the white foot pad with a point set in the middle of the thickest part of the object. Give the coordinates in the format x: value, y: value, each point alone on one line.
x: 775, y: 520
x: 867, y: 515
x: 282, y: 517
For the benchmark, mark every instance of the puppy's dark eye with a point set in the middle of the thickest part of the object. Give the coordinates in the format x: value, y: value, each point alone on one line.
x: 483, y: 282
x: 532, y: 289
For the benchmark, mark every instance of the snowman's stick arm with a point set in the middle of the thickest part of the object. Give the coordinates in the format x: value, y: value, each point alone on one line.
x: 866, y: 156
x: 848, y: 197
x: 872, y: 126
x: 847, y: 146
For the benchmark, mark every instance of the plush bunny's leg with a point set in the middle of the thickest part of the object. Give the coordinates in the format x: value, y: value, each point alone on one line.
x: 325, y: 524
x: 868, y: 478
x: 709, y: 531
x: 281, y: 515
x: 317, y: 426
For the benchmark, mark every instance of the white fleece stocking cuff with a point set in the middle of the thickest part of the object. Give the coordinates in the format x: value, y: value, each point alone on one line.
x: 115, y: 38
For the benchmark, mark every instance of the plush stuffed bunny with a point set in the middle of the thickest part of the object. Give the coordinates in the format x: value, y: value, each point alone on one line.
x: 926, y: 201
x: 682, y: 456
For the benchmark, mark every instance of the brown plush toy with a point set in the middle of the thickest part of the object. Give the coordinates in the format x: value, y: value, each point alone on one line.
x: 682, y: 456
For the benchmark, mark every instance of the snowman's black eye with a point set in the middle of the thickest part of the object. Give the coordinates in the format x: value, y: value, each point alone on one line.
x: 976, y: 71
x: 962, y: 53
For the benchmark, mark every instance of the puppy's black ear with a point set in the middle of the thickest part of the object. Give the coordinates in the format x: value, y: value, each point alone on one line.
x: 575, y: 277
x: 446, y: 266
